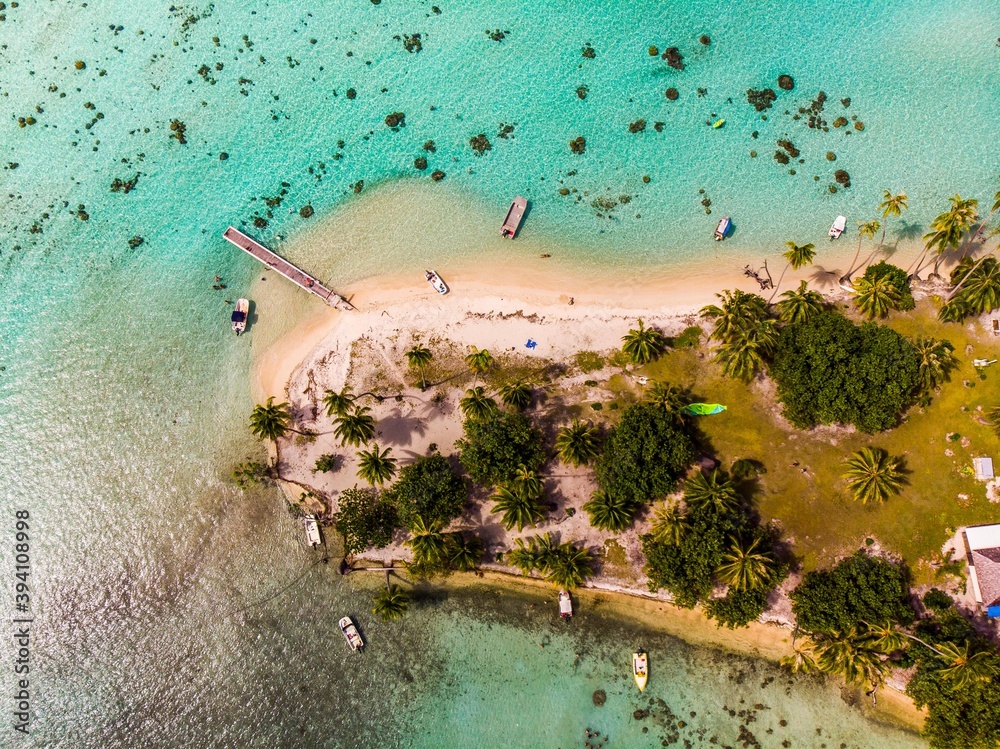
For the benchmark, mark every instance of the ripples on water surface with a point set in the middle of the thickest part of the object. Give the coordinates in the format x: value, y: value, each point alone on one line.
x: 123, y: 396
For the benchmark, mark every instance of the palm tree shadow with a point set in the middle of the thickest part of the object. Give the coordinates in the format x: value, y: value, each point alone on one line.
x: 907, y: 232
x: 398, y: 430
x: 822, y: 277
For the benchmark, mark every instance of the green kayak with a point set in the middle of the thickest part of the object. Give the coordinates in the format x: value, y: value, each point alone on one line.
x: 703, y: 409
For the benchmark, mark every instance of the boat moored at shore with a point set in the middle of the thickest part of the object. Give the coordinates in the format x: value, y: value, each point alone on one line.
x: 514, y: 217
x: 351, y: 634
x: 312, y: 531
x: 435, y: 280
x: 240, y: 314
x: 722, y: 229
x: 838, y: 227
x: 565, y: 604
x: 640, y: 669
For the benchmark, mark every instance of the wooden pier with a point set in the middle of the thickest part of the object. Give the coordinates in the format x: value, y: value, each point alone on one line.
x: 284, y: 268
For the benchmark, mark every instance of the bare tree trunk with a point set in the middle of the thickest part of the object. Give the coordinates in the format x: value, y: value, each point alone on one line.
x: 778, y: 285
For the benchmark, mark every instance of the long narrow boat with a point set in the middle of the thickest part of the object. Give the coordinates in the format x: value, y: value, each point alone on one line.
x: 722, y: 229
x: 640, y: 669
x: 351, y: 634
x: 239, y: 317
x: 565, y: 604
x: 838, y: 227
x: 312, y: 531
x: 514, y: 217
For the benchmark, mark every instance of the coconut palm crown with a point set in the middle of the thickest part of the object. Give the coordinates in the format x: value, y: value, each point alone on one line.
x: 608, y: 512
x: 643, y: 345
x: 419, y: 357
x: 745, y: 566
x: 391, y: 603
x: 873, y: 476
x: 355, y: 428
x: 477, y: 405
x: 799, y: 305
x: 577, y: 444
x: 270, y: 421
x: 375, y: 466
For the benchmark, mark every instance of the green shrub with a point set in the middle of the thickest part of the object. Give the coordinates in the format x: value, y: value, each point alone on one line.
x: 937, y: 600
x: 493, y: 449
x: 365, y: 520
x: 738, y: 608
x: 829, y: 370
x: 588, y: 361
x: 428, y: 488
x: 859, y: 589
x: 690, y: 338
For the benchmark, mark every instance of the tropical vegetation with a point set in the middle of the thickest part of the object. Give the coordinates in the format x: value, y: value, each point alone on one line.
x: 493, y: 450
x: 365, y: 520
x: 390, y: 604
x: 578, y: 443
x: 565, y: 564
x: 376, y: 466
x: 428, y: 488
x: 608, y: 512
x: 643, y: 345
x: 873, y: 475
x: 419, y: 357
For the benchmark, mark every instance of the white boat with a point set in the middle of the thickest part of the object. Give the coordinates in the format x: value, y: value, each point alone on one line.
x: 312, y: 531
x: 351, y: 634
x: 838, y: 227
x: 722, y: 229
x: 565, y: 604
x: 640, y: 669
x: 435, y: 280
x: 513, y: 218
x: 239, y: 317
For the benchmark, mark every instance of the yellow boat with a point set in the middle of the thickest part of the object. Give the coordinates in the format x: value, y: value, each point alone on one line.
x: 640, y: 669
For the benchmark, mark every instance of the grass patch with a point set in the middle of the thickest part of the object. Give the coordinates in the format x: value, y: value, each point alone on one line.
x: 588, y: 361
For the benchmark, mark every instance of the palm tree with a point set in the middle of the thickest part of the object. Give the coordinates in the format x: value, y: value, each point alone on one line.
x: 745, y: 566
x: 847, y: 654
x: 955, y: 310
x: 936, y: 361
x: 516, y: 395
x: 744, y: 356
x: 804, y: 659
x: 391, y: 603
x: 892, y: 205
x: 427, y: 541
x: 993, y: 419
x: 577, y: 444
x: 979, y: 284
x: 570, y: 566
x: 669, y: 524
x: 476, y: 405
x: 419, y: 357
x: 715, y: 490
x: 949, y: 227
x: 479, y: 362
x: 799, y: 305
x: 524, y: 556
x: 739, y: 311
x: 965, y: 669
x: 874, y: 298
x: 527, y: 482
x: 356, y: 428
x: 608, y: 512
x: 664, y: 395
x: 643, y: 345
x: 872, y: 475
x: 518, y: 508
x: 338, y: 404
x: 270, y: 421
x: 797, y: 256
x: 376, y: 467
x: 464, y: 553
x: 866, y: 229
x: 886, y: 638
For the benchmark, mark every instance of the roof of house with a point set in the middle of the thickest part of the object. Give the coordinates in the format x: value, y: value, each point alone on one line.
x: 984, y: 548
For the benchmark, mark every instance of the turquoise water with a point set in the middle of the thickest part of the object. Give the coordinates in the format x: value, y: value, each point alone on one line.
x: 123, y: 397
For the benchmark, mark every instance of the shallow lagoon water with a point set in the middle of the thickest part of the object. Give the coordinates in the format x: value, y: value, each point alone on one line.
x: 123, y: 396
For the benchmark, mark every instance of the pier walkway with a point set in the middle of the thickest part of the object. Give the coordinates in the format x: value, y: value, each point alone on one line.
x: 281, y: 266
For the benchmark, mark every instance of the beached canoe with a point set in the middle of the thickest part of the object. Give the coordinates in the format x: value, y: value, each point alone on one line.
x: 351, y: 634
x: 722, y: 229
x: 239, y: 317
x: 640, y: 669
x: 565, y: 604
x: 838, y: 227
x: 435, y: 280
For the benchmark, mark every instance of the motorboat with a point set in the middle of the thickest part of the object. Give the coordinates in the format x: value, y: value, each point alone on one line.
x: 565, y: 604
x: 435, y: 280
x: 239, y: 316
x: 722, y: 229
x: 514, y: 217
x: 838, y: 227
x: 351, y: 634
x: 312, y: 531
x: 640, y: 669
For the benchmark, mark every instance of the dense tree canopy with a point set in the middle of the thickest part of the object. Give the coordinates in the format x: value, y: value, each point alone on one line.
x: 645, y: 454
x: 897, y: 278
x: 859, y: 589
x: 428, y: 488
x: 493, y: 449
x: 829, y: 370
x: 365, y: 520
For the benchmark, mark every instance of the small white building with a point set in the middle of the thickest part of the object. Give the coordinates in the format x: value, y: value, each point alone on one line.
x: 983, y: 468
x: 982, y: 552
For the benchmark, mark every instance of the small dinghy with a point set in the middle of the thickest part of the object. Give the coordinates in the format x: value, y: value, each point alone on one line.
x: 435, y: 280
x: 640, y: 669
x: 722, y: 229
x: 312, y: 531
x: 239, y: 317
x: 351, y: 634
x: 718, y: 123
x: 513, y: 219
x: 565, y: 604
x: 838, y: 227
